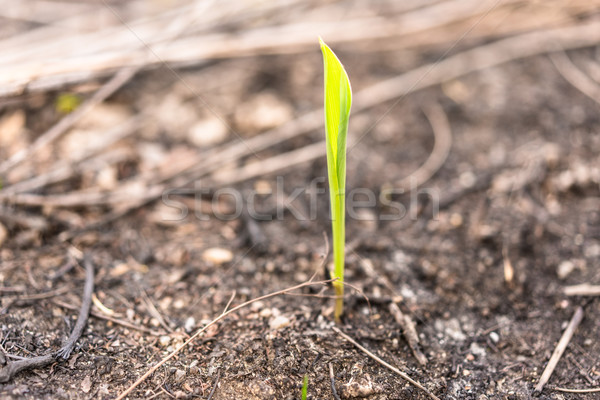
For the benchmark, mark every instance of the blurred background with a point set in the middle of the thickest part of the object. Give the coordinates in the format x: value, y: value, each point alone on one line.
x: 474, y: 126
x: 111, y: 103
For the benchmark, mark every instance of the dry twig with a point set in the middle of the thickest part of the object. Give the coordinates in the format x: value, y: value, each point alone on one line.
x: 211, y: 323
x: 116, y: 321
x: 560, y: 348
x: 566, y: 390
x: 585, y: 289
x: 88, y: 161
x: 482, y: 57
x: 194, y: 34
x: 151, y: 308
x: 118, y: 80
x: 13, y: 368
x: 575, y: 76
x: 410, y: 332
x: 443, y: 142
x: 332, y: 380
x: 214, y: 388
x: 385, y: 364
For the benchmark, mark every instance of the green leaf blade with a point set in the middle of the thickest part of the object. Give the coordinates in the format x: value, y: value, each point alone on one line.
x: 338, y: 101
x: 305, y: 387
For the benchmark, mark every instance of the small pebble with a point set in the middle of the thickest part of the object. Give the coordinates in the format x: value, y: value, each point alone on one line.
x: 217, y: 255
x: 179, y: 304
x: 86, y: 384
x: 179, y: 375
x: 263, y: 111
x: 456, y: 220
x: 3, y: 234
x: 360, y: 388
x: 564, y: 269
x: 467, y: 179
x: 279, y: 322
x: 266, y: 313
x: 477, y: 350
x: 208, y: 132
x: 494, y: 337
x: 164, y: 340
x: 189, y: 325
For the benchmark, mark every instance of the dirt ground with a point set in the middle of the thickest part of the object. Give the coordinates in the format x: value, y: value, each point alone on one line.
x: 519, y: 191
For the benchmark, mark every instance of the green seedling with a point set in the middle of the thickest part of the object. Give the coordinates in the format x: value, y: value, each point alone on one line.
x: 338, y: 99
x: 305, y: 387
x: 67, y: 103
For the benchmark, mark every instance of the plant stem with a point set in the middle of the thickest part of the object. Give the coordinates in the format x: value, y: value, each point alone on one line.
x: 338, y: 226
x: 305, y: 387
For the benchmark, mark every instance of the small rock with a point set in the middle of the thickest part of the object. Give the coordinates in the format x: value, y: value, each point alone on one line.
x: 450, y: 328
x: 257, y: 306
x: 279, y: 322
x: 151, y: 155
x: 477, y: 350
x: 90, y: 132
x: 429, y: 269
x: 263, y: 111
x: 11, y: 126
x: 261, y: 389
x: 456, y: 220
x: 457, y: 91
x: 367, y: 218
x: 189, y: 325
x: 164, y: 340
x: 107, y: 178
x: 592, y: 250
x: 360, y: 388
x: 266, y: 313
x: 494, y: 337
x: 179, y: 375
x: 3, y: 234
x: 564, y: 269
x: 263, y: 187
x: 179, y: 304
x: 207, y: 132
x: 86, y: 384
x: 483, y: 231
x: 552, y: 154
x: 176, y: 116
x: 217, y: 255
x: 467, y: 179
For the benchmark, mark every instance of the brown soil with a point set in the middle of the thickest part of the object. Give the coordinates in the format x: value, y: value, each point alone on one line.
x: 522, y: 176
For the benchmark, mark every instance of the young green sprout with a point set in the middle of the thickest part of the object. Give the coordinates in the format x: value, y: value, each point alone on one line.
x: 305, y: 388
x: 338, y: 99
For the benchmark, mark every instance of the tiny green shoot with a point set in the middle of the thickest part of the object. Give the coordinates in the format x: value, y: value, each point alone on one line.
x: 338, y: 99
x: 67, y: 103
x: 305, y: 387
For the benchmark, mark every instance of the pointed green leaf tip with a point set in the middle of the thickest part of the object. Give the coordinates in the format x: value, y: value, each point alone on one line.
x: 338, y: 99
